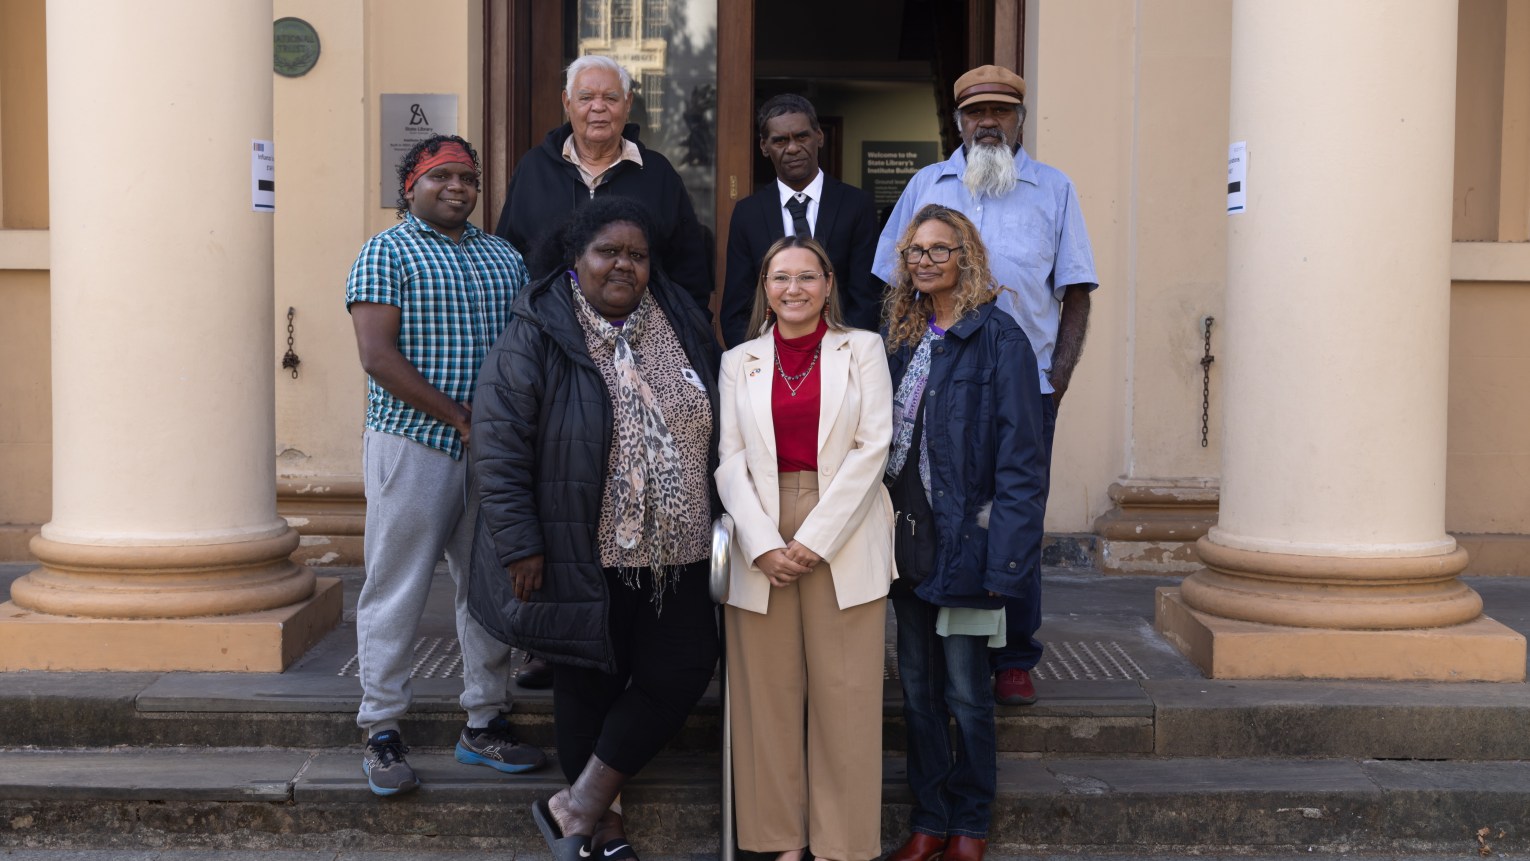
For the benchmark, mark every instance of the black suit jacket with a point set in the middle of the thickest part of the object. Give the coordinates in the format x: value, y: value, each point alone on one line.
x: 847, y: 229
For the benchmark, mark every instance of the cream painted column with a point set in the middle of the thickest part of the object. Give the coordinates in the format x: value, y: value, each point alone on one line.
x: 1331, y: 557
x: 164, y: 498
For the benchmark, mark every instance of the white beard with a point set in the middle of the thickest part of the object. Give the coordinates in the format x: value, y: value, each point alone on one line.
x: 990, y: 169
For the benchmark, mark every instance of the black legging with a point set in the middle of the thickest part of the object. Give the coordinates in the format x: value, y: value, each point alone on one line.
x: 667, y: 657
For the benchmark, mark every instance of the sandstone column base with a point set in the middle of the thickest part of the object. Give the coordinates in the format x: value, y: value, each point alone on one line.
x: 1349, y: 592
x: 268, y: 641
x: 1154, y: 524
x: 1481, y: 650
x: 158, y: 581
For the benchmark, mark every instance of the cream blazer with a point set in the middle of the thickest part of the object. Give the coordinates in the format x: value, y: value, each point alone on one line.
x: 851, y: 527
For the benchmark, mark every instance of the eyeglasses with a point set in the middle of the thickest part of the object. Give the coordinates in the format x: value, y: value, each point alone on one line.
x: 938, y: 254
x: 781, y: 280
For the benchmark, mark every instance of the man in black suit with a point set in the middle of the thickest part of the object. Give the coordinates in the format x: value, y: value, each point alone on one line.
x: 805, y: 201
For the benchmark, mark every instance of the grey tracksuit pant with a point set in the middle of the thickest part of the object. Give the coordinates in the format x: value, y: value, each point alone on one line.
x: 417, y: 510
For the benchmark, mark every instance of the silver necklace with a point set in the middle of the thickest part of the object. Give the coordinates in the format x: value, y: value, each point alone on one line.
x: 789, y: 379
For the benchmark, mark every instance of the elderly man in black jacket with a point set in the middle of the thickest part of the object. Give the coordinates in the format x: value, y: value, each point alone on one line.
x: 597, y: 154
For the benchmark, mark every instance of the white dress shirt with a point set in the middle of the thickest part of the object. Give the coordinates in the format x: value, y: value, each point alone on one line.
x: 814, y: 192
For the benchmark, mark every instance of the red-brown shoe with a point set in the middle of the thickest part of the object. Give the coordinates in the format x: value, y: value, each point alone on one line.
x: 920, y: 847
x: 960, y: 848
x: 1014, y: 688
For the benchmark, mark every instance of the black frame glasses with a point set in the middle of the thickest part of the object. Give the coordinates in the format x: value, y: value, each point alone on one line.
x: 938, y: 254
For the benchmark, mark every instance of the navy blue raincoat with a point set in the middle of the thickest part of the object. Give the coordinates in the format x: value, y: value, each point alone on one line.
x: 982, y: 417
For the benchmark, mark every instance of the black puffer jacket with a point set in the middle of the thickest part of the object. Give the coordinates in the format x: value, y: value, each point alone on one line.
x: 546, y: 189
x: 542, y: 428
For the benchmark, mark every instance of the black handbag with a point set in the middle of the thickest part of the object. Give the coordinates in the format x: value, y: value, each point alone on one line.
x: 913, y: 519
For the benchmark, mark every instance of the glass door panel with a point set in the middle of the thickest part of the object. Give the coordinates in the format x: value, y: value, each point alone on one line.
x: 670, y: 49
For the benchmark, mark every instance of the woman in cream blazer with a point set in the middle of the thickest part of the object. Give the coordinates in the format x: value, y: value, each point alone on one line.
x: 806, y: 416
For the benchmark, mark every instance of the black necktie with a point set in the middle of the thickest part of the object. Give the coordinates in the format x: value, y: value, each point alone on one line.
x: 797, y: 206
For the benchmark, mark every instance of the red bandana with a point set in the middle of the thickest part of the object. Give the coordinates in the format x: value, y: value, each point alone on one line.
x: 449, y: 153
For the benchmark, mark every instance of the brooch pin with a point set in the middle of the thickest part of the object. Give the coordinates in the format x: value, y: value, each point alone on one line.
x: 754, y: 372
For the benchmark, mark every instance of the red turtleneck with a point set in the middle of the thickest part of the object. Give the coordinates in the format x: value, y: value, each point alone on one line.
x: 796, y: 417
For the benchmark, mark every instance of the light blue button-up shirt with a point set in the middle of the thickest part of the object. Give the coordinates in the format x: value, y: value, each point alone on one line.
x: 1035, y: 236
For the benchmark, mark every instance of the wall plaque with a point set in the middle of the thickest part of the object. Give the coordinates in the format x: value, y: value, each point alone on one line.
x: 296, y: 47
x: 407, y: 119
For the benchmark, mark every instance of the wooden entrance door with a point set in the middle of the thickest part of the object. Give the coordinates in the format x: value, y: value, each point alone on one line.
x: 525, y: 42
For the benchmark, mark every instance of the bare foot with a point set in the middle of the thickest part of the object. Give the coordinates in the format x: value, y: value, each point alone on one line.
x: 568, y: 822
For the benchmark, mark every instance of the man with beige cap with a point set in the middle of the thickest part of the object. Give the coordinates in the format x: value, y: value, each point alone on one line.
x: 1029, y: 217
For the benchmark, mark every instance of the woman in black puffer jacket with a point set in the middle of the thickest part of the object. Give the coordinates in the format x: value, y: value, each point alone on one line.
x: 594, y: 442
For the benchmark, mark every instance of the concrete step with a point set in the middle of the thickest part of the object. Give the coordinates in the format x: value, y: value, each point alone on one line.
x: 1169, y: 717
x: 542, y: 855
x: 1109, y: 685
x: 317, y: 800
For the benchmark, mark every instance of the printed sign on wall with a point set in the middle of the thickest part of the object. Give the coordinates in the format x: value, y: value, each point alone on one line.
x: 1237, y: 177
x: 262, y: 176
x: 407, y: 119
x: 887, y: 166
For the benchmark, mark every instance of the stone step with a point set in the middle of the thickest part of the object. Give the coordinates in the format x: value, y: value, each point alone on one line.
x: 1168, y: 717
x: 1142, y: 854
x: 316, y: 800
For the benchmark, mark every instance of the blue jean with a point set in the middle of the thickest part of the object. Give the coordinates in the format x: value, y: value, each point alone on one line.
x: 944, y: 678
x: 1022, y: 613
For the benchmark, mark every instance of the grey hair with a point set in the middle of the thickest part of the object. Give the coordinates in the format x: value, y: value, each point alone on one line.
x: 595, y: 61
x: 956, y: 115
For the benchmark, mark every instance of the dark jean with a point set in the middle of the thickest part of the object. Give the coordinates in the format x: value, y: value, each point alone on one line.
x: 944, y: 678
x: 1022, y: 613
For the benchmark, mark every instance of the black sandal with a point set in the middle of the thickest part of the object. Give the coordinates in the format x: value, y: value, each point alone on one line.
x: 573, y: 847
x: 617, y: 849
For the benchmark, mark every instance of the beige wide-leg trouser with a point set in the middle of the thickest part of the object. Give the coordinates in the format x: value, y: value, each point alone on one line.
x: 806, y: 683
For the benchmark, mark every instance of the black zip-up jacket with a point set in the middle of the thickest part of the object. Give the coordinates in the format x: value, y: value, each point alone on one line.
x: 546, y: 189
x: 542, y: 430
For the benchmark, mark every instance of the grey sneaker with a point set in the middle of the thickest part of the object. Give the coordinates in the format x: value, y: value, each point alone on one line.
x: 387, y: 772
x: 497, y: 747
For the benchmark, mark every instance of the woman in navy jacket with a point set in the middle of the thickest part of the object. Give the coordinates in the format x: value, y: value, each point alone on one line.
x: 966, y: 473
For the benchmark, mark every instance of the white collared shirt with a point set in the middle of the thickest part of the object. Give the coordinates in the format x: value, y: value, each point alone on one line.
x: 814, y: 192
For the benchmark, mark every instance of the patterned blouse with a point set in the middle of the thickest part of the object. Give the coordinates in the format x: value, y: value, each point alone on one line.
x: 683, y: 401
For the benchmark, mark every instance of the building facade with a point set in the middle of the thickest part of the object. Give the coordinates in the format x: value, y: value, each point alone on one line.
x: 1364, y: 400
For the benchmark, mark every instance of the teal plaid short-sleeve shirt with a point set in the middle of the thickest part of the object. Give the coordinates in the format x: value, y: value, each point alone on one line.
x: 454, y: 298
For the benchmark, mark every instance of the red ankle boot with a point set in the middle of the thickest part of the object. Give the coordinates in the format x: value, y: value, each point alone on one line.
x: 960, y: 848
x: 920, y: 847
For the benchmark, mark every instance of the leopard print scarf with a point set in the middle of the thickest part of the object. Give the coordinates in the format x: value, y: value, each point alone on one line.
x: 647, y: 485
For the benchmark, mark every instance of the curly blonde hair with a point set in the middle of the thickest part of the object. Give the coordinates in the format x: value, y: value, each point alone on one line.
x: 908, y: 312
x: 761, y: 318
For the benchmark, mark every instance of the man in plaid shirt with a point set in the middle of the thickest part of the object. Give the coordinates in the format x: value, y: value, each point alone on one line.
x: 428, y: 297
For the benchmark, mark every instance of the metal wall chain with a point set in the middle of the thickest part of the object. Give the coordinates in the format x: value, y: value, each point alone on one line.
x: 1206, y: 360
x: 291, y: 360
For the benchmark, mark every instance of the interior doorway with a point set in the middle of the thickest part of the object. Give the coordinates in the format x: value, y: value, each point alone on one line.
x: 886, y: 83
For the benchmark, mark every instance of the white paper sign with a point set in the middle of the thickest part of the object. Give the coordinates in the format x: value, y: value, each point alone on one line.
x: 1237, y: 177
x: 262, y: 176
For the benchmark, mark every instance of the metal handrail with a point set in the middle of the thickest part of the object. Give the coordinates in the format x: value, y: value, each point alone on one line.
x: 722, y: 548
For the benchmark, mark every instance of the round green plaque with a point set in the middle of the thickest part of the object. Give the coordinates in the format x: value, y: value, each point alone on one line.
x: 296, y: 47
